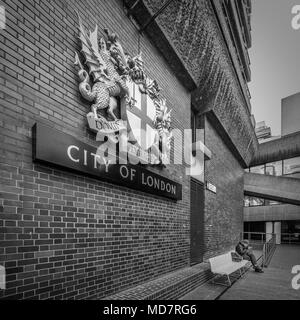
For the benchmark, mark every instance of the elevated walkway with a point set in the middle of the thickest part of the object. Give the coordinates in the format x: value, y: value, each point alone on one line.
x: 282, y: 212
x: 283, y: 189
x: 283, y: 148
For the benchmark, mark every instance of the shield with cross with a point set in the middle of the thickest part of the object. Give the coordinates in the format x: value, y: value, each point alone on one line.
x: 140, y: 118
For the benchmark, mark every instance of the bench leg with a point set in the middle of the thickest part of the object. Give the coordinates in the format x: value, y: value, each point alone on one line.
x: 242, y: 272
x: 220, y: 283
x: 229, y: 281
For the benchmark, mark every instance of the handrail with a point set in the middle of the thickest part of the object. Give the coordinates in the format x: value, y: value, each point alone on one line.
x: 285, y: 238
x: 268, y: 240
x: 292, y: 238
x: 262, y: 236
x: 268, y: 250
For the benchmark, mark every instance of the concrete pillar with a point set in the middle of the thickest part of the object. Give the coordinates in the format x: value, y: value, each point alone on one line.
x: 269, y: 230
x: 277, y: 231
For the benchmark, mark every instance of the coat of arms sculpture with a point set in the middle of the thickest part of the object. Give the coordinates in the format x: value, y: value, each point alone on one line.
x: 112, y: 81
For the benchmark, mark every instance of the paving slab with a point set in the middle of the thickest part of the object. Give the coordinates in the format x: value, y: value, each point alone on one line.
x: 274, y: 284
x: 210, y: 291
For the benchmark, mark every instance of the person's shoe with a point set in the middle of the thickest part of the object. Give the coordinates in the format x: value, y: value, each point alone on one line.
x: 259, y: 270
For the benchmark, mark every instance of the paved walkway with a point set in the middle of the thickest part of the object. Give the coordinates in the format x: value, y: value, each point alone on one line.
x: 210, y: 291
x: 274, y: 284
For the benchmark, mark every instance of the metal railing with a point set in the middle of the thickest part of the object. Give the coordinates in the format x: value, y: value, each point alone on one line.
x: 283, y: 238
x: 268, y: 250
x: 266, y: 242
x: 256, y: 237
x: 290, y: 238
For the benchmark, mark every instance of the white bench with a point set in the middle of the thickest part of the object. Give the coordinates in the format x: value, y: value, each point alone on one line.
x: 224, y: 266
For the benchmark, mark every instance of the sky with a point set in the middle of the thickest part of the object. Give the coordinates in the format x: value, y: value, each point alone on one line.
x: 275, y: 59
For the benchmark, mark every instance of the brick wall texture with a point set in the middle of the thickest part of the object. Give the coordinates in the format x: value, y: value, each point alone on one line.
x: 65, y: 236
x: 223, y: 210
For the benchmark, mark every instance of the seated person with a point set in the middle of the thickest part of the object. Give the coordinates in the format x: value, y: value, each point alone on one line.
x: 243, y: 250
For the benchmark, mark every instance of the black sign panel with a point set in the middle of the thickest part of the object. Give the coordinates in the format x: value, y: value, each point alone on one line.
x: 53, y: 147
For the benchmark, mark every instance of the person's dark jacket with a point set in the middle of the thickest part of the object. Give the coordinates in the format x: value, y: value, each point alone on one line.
x: 240, y: 249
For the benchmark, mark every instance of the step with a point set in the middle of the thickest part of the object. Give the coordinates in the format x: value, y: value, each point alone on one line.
x: 168, y: 287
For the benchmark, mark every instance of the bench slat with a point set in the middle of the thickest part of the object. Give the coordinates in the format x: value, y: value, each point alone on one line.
x: 223, y: 264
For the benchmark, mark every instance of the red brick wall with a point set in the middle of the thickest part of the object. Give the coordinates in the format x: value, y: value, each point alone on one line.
x: 223, y: 210
x: 63, y: 235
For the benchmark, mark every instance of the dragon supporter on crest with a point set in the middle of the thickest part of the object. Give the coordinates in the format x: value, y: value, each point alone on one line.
x: 110, y: 71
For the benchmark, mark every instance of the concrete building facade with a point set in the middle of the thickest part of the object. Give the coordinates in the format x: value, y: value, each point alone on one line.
x: 290, y: 114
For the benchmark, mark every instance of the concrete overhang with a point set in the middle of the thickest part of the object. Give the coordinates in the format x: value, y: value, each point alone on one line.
x: 283, y: 148
x: 283, y: 212
x: 282, y: 189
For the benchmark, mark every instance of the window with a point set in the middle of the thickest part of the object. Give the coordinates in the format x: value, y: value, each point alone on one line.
x: 246, y: 201
x: 259, y: 202
x: 291, y: 166
x: 254, y: 230
x: 274, y: 168
x: 259, y: 169
x: 278, y: 168
x: 256, y: 202
x: 253, y: 202
x: 272, y: 203
x: 290, y: 232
